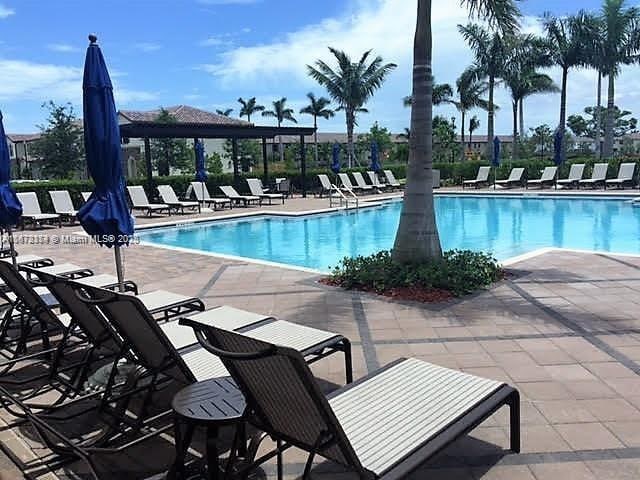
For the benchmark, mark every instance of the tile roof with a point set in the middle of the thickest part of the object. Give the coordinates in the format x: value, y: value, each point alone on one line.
x: 19, y: 137
x: 183, y: 114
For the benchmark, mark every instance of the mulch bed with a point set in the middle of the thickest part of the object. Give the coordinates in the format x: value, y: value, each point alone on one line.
x: 412, y: 294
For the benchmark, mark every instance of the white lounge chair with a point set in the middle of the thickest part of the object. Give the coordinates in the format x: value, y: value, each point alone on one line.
x: 201, y: 192
x: 63, y: 205
x: 625, y: 176
x: 598, y: 176
x: 391, y: 179
x: 514, y: 179
x: 169, y: 197
x: 85, y: 196
x: 325, y: 184
x: 257, y: 190
x: 375, y: 181
x: 238, y: 199
x: 31, y: 211
x: 347, y: 186
x: 139, y: 201
x: 575, y: 175
x: 482, y: 178
x: 361, y: 184
x: 548, y: 178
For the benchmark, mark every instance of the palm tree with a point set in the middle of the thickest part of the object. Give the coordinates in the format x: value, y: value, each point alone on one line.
x: 225, y: 113
x: 489, y: 48
x: 474, y: 124
x: 470, y: 90
x: 442, y: 93
x: 351, y: 85
x: 621, y: 35
x: 317, y: 108
x: 406, y: 134
x: 417, y: 239
x: 249, y: 107
x: 568, y: 39
x: 281, y: 113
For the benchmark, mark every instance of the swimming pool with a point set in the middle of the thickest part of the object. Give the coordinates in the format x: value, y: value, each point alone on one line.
x: 504, y: 226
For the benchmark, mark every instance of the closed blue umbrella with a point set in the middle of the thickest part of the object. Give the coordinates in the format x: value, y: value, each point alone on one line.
x: 201, y: 171
x: 106, y: 215
x: 558, y: 153
x: 375, y: 160
x: 335, y: 164
x: 10, y: 206
x: 495, y: 161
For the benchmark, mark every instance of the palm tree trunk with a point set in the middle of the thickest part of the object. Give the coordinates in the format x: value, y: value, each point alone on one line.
x: 608, y: 125
x: 598, y: 138
x: 350, y: 149
x: 417, y: 239
x: 521, y: 119
x: 315, y: 139
x: 470, y: 138
x: 462, y: 137
x: 514, y: 145
x: 280, y: 145
x: 490, y: 113
x: 563, y: 112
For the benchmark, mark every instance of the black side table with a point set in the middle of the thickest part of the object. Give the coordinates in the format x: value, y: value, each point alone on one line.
x: 212, y: 404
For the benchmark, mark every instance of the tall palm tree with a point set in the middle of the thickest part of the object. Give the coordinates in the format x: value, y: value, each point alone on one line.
x: 351, y: 85
x: 318, y: 109
x: 489, y: 48
x: 249, y: 107
x: 417, y: 239
x: 469, y: 90
x: 225, y: 113
x: 474, y: 124
x: 281, y: 113
x: 621, y: 39
x: 442, y: 93
x: 568, y: 40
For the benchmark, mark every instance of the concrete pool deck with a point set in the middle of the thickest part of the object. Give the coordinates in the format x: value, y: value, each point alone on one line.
x: 563, y: 329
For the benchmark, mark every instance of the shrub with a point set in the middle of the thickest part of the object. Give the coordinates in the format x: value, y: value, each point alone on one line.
x: 459, y: 271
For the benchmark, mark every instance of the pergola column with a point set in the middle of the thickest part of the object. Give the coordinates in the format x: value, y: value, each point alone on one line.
x: 264, y: 161
x: 147, y: 161
x: 303, y: 165
x: 234, y: 159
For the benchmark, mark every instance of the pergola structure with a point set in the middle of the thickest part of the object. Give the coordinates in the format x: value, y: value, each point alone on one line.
x: 136, y: 125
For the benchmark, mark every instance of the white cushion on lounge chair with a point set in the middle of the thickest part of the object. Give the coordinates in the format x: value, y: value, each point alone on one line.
x: 170, y: 198
x: 548, y: 174
x: 598, y: 175
x: 101, y: 280
x: 228, y: 318
x: 62, y: 269
x: 31, y: 207
x: 231, y: 193
x: 24, y: 259
x: 139, y: 199
x: 346, y: 182
x: 161, y: 298
x: 406, y: 405
x: 575, y: 174
x: 203, y: 365
x: 361, y: 182
x: 391, y: 179
x: 287, y: 334
x: 62, y: 203
x: 625, y: 174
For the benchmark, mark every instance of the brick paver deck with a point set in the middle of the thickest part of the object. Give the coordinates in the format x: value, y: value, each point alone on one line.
x: 563, y: 329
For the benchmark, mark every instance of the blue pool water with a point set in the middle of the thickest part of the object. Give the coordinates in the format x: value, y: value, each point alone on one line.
x: 504, y: 226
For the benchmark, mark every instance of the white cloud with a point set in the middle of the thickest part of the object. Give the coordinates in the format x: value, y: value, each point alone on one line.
x: 62, y: 48
x: 215, y: 41
x: 23, y: 80
x: 147, y: 46
x: 6, y: 11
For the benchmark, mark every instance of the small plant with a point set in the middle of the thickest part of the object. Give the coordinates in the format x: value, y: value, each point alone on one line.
x: 459, y: 272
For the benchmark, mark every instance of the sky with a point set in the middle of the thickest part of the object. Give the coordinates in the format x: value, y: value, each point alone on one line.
x: 207, y: 53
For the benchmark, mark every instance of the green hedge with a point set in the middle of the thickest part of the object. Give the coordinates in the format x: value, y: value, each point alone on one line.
x: 450, y: 174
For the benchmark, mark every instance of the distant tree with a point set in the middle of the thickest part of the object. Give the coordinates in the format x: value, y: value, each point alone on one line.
x: 61, y: 145
x: 542, y: 139
x: 474, y: 124
x: 470, y: 91
x: 281, y: 113
x: 317, y: 108
x: 213, y: 163
x: 442, y: 93
x: 586, y: 126
x: 406, y: 134
x: 249, y: 107
x: 168, y: 153
x: 380, y: 135
x: 249, y: 153
x: 225, y: 113
x: 444, y: 139
x: 351, y: 85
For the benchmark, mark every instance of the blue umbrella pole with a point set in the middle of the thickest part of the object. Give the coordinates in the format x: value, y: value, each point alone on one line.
x: 119, y: 269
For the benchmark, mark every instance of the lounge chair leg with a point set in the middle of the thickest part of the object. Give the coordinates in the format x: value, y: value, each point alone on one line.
x: 514, y: 411
x: 279, y: 462
x: 348, y: 360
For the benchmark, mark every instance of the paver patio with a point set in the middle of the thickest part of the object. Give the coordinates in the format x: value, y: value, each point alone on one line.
x: 563, y: 328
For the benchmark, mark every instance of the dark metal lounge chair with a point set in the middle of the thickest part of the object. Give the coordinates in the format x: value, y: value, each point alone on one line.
x: 382, y: 426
